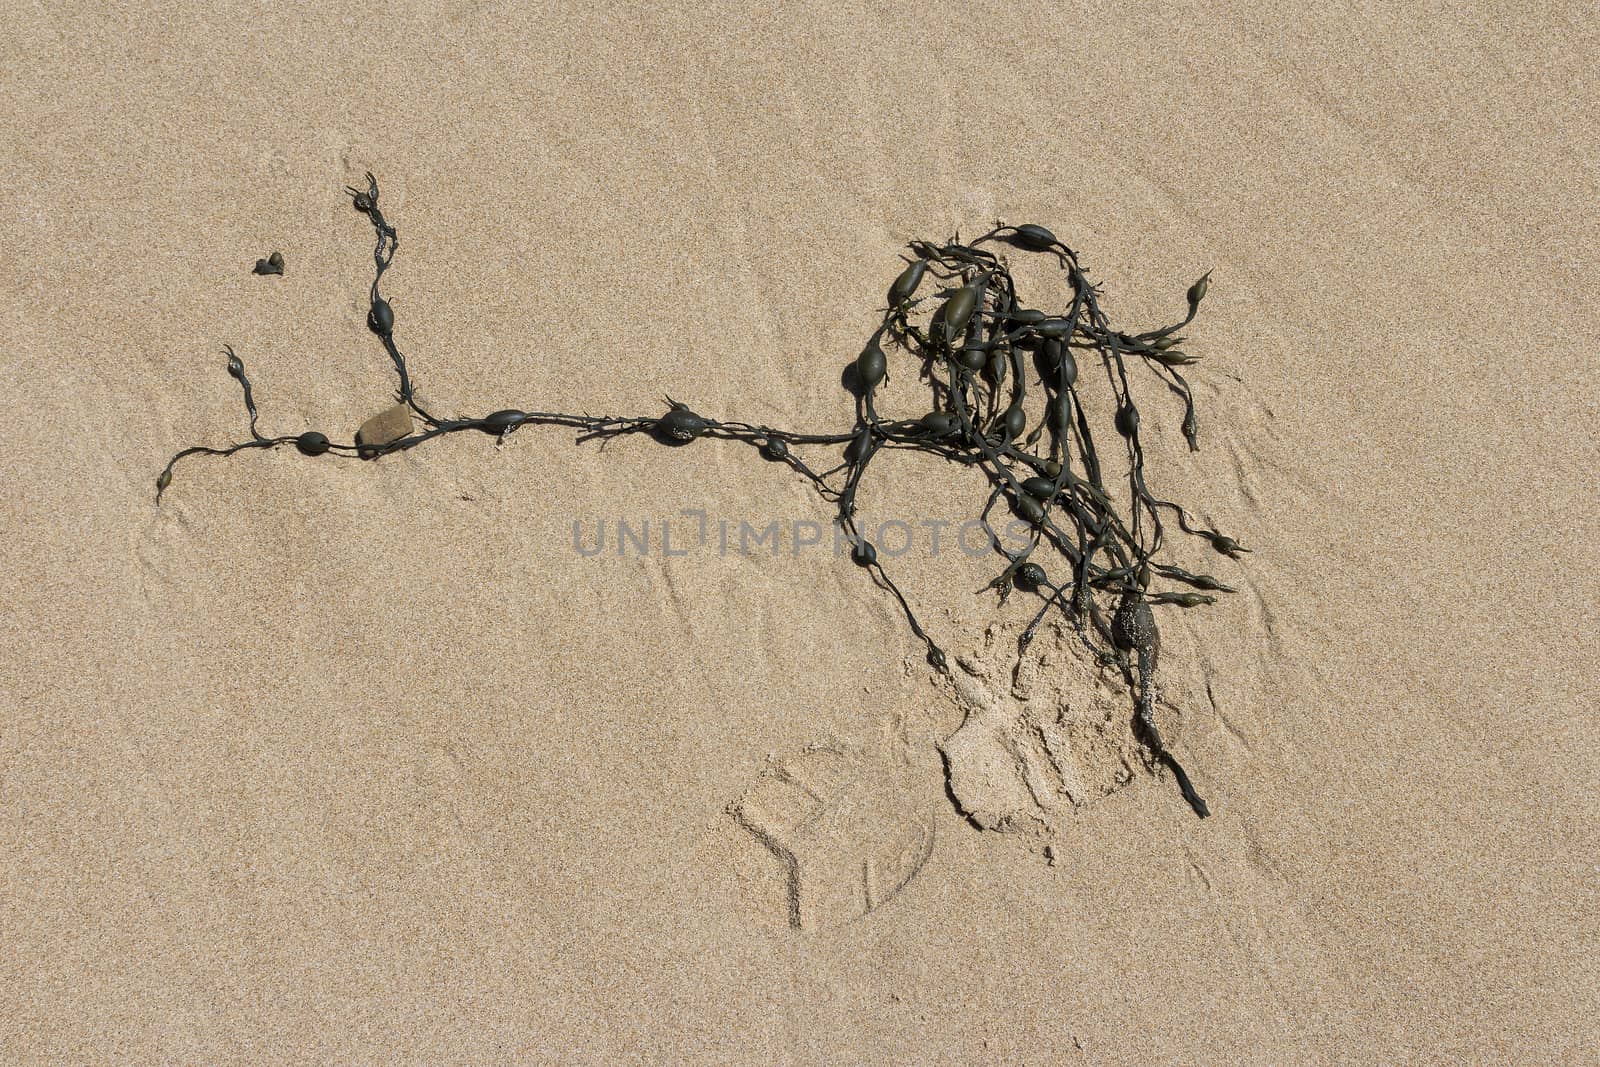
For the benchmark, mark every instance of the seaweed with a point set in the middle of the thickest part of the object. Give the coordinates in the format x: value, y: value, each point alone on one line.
x: 954, y: 310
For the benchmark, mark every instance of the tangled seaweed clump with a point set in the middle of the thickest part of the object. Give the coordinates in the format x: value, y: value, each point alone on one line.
x: 954, y: 309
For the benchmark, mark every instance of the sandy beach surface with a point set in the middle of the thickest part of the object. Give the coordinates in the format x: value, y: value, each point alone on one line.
x: 324, y: 761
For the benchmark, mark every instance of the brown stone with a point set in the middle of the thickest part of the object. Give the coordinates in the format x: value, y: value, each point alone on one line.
x: 388, y: 425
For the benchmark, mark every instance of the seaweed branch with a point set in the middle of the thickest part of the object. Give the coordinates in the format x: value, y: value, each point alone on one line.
x: 973, y: 343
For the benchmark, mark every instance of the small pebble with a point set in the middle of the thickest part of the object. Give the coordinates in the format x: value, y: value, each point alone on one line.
x: 386, y: 427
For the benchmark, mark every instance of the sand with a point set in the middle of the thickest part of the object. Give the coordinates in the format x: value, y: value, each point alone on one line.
x: 330, y: 761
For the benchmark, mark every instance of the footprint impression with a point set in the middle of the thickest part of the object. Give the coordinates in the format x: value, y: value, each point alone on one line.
x: 1043, y: 734
x: 847, y: 825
